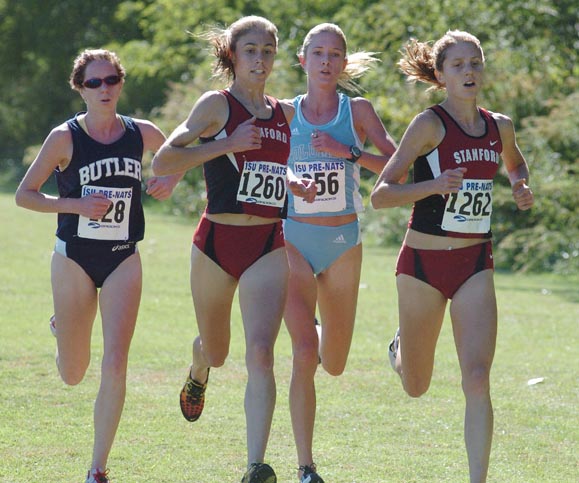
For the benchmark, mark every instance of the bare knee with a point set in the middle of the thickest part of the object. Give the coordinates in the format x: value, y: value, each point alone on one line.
x: 414, y: 386
x: 476, y: 381
x: 334, y: 366
x: 71, y: 374
x: 216, y: 359
x: 214, y: 356
x: 305, y: 357
x: 259, y: 356
x: 114, y: 366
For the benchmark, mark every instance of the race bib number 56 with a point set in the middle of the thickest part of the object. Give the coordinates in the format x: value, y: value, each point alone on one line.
x: 264, y: 183
x: 469, y: 210
x: 330, y: 178
x: 114, y: 225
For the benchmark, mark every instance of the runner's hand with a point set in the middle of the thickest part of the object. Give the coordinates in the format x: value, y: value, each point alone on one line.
x: 523, y: 195
x: 94, y: 206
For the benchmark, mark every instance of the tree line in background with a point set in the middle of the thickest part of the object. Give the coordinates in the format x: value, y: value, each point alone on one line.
x: 530, y: 46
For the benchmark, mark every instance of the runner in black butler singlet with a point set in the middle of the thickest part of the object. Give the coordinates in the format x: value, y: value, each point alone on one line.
x: 99, y: 246
x: 96, y: 159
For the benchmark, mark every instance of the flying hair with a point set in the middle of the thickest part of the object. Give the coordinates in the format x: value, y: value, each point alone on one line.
x: 420, y: 60
x: 224, y: 42
x: 358, y: 63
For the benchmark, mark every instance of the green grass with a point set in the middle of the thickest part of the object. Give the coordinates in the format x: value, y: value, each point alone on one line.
x: 368, y: 430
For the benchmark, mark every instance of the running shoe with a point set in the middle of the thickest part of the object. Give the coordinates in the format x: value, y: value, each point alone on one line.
x: 52, y: 325
x: 319, y: 331
x: 97, y: 476
x: 192, y: 398
x: 259, y: 473
x: 309, y: 474
x: 393, y: 349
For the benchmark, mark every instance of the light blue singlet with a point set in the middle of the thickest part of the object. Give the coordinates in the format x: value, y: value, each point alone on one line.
x: 338, y: 180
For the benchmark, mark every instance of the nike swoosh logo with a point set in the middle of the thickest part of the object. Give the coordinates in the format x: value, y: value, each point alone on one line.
x: 280, y: 124
x: 493, y: 143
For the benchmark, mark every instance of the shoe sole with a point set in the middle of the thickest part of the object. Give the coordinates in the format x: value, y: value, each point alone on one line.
x: 392, y: 352
x: 52, y: 325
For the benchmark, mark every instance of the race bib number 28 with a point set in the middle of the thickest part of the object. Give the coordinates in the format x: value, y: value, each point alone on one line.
x: 114, y: 225
x: 469, y: 210
x: 264, y: 183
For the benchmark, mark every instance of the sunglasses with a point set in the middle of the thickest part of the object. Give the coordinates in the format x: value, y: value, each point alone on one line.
x: 95, y: 82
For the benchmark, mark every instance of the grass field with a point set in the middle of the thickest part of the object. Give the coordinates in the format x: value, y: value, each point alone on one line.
x: 368, y: 430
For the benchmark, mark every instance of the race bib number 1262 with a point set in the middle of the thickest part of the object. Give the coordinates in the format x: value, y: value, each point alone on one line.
x: 469, y: 210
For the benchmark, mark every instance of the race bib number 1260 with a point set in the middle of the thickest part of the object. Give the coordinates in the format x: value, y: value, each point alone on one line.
x: 264, y: 183
x: 114, y: 225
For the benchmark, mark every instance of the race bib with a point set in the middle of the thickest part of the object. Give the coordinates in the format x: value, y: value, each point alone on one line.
x: 264, y: 183
x: 330, y: 178
x: 114, y: 225
x: 469, y: 210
